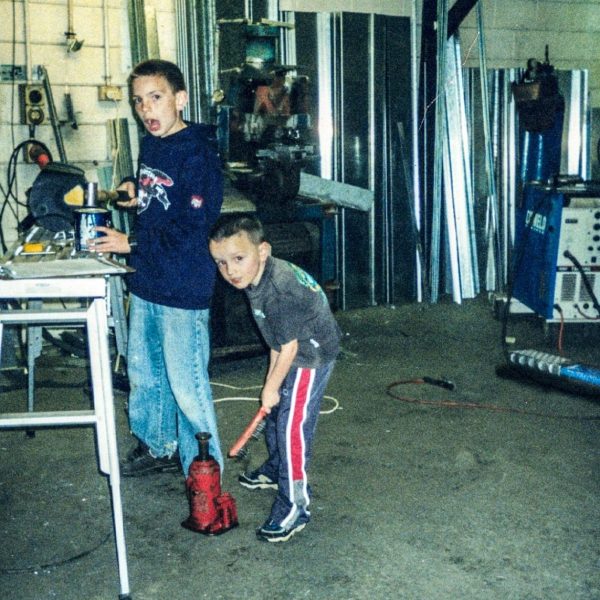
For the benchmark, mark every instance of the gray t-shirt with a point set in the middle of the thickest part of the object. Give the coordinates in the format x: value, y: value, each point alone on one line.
x: 288, y: 304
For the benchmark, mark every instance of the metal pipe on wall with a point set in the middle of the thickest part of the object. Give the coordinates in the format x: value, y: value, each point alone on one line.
x: 70, y: 26
x: 326, y: 77
x: 508, y: 161
x: 469, y: 254
x: 27, y: 28
x: 512, y: 166
x: 181, y: 41
x: 457, y: 181
x: 105, y: 19
x: 73, y: 44
x: 492, y: 196
x: 436, y: 201
x: 577, y: 135
x: 338, y: 141
x: 386, y: 270
x: 288, y: 40
x: 451, y: 263
x: 138, y: 31
x: 573, y: 125
x: 416, y: 186
x: 194, y: 58
x: 586, y: 163
x: 198, y: 54
x: 210, y: 60
x: 371, y: 167
x: 273, y: 10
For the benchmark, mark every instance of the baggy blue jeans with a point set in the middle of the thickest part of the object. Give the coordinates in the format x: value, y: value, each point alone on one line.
x: 170, y: 398
x: 289, y: 434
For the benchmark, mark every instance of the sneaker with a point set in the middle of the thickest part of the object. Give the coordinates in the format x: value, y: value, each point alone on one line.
x: 272, y: 532
x: 256, y: 481
x: 139, y: 462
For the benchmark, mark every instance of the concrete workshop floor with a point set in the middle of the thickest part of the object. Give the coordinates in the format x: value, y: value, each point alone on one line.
x: 411, y: 500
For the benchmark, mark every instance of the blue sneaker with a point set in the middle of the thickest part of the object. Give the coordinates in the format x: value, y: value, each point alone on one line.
x: 272, y: 532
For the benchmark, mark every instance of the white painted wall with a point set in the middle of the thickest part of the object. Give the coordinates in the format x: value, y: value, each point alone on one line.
x: 80, y: 73
x: 515, y: 30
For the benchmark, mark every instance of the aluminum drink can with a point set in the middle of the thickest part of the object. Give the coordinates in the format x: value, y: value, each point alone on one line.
x: 86, y: 219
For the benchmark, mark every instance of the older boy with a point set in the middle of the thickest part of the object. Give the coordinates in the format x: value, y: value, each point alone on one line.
x: 178, y: 198
x: 293, y: 316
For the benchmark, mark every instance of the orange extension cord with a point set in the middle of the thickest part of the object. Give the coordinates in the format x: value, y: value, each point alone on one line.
x: 471, y: 405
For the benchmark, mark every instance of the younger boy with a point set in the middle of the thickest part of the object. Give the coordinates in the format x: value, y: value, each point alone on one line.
x: 293, y: 316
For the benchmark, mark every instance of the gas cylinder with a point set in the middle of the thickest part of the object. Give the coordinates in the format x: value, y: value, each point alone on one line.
x: 211, y: 512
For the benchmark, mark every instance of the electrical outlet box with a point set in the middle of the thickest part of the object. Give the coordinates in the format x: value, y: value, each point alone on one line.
x: 33, y: 104
x: 110, y: 92
x: 12, y: 72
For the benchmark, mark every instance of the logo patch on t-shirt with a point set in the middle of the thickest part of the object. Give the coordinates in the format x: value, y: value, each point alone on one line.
x: 308, y: 281
x: 197, y: 201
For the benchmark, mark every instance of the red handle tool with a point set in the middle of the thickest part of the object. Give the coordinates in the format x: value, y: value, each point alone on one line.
x: 247, y: 434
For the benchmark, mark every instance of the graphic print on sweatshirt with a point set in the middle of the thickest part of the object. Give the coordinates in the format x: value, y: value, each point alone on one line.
x: 152, y: 183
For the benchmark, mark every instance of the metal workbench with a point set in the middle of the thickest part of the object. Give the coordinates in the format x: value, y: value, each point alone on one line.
x: 34, y: 289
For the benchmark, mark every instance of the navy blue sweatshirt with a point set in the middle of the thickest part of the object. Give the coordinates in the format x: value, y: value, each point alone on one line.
x: 180, y: 188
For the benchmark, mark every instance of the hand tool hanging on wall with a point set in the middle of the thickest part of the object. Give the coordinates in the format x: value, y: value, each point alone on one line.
x: 73, y: 44
x: 71, y: 117
x: 53, y: 115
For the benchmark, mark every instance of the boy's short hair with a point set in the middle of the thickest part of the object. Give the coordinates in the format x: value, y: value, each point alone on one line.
x: 158, y: 67
x: 232, y: 224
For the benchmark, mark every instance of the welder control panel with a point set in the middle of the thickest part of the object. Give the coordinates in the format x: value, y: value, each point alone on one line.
x: 557, y: 249
x: 580, y: 231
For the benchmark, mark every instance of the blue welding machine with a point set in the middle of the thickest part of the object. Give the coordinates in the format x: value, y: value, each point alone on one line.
x: 557, y: 251
x: 557, y: 274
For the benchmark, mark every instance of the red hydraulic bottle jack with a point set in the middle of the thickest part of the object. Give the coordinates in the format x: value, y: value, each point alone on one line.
x: 211, y: 512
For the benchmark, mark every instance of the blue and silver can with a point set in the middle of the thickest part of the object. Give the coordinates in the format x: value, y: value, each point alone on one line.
x: 86, y: 219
